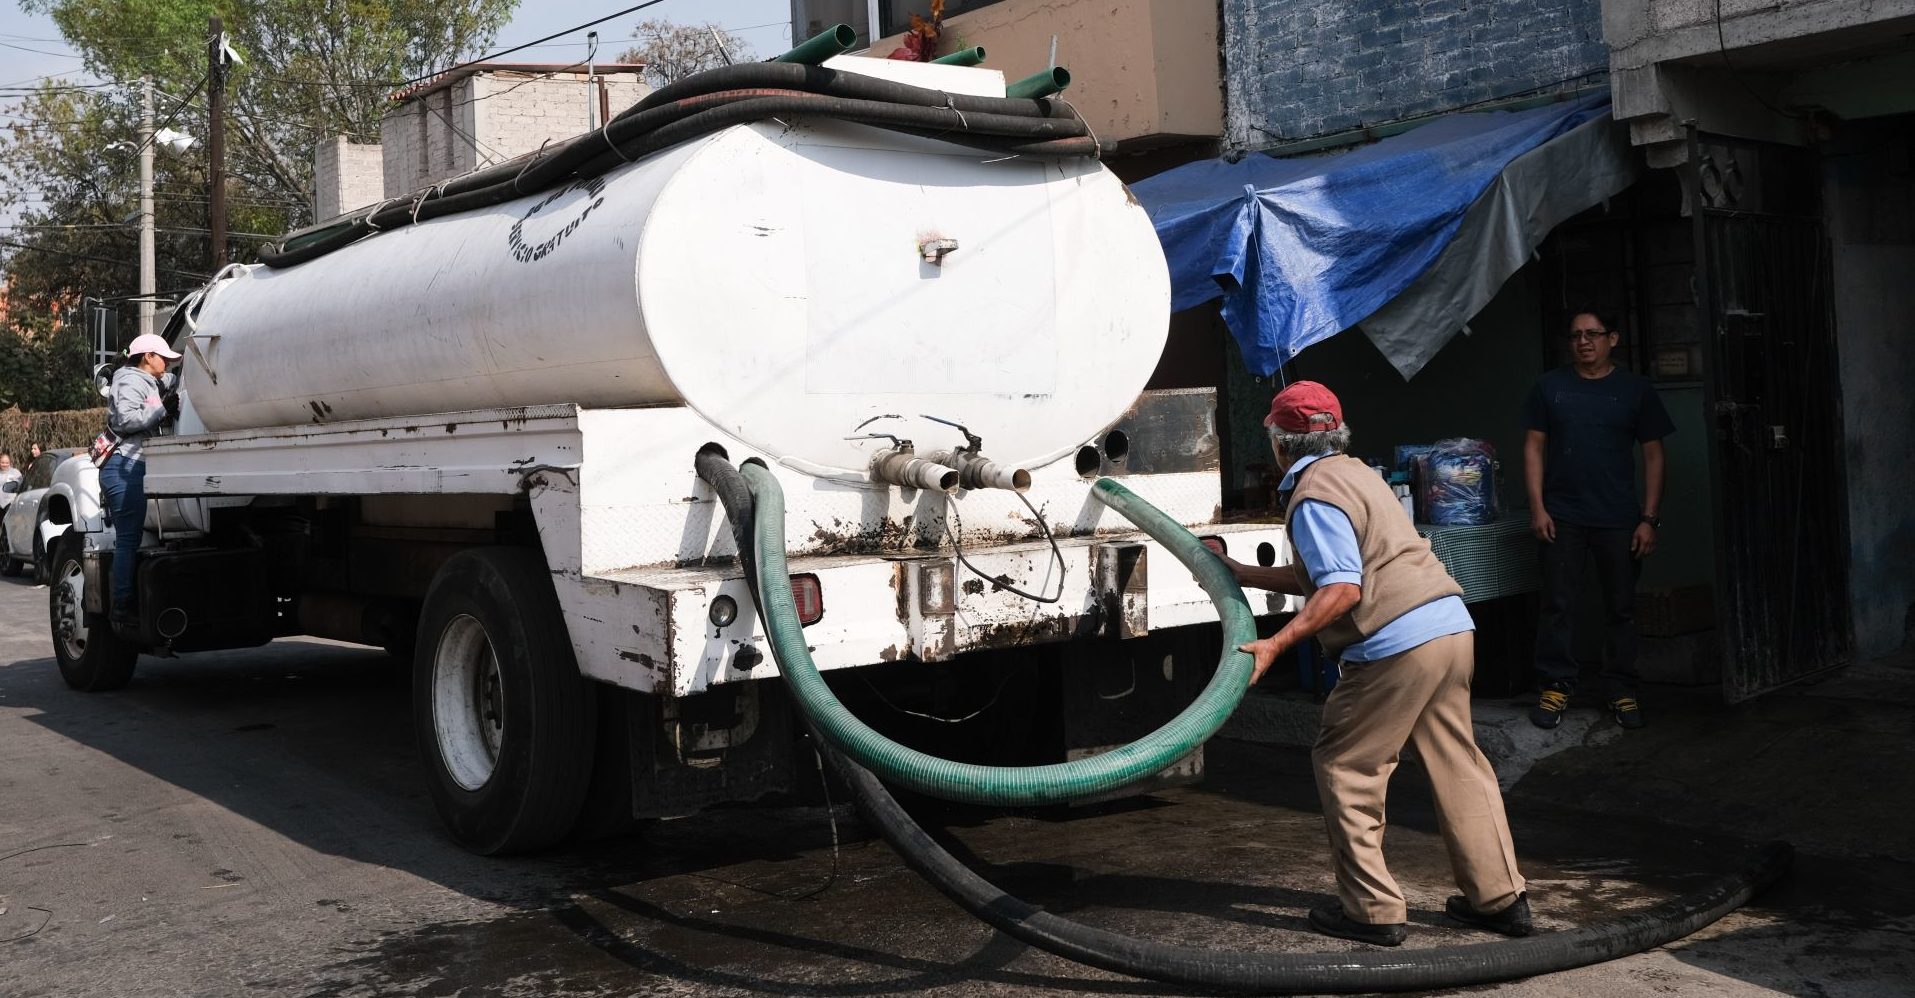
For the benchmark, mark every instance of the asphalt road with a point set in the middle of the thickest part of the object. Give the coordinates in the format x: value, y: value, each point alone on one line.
x: 255, y: 823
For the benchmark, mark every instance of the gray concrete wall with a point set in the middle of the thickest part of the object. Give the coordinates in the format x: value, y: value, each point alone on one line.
x: 1296, y: 69
x: 486, y: 119
x: 1871, y: 212
x: 346, y: 175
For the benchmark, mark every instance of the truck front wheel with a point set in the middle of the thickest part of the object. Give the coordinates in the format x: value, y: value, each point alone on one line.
x: 92, y: 658
x: 502, y: 717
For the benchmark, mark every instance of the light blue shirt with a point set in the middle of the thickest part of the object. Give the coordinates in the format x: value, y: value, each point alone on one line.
x: 1328, y: 546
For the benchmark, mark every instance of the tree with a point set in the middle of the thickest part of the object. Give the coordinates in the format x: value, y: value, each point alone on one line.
x: 672, y: 52
x: 313, y: 69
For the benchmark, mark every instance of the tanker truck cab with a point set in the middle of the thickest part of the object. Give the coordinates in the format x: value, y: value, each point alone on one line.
x: 470, y: 438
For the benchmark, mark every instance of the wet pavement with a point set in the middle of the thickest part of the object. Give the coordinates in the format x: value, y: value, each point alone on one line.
x: 256, y: 823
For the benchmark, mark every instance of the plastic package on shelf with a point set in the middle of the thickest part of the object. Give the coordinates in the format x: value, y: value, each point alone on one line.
x: 1456, y: 483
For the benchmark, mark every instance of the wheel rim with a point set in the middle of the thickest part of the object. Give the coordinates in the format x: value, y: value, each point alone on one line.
x: 69, y: 605
x: 468, y: 702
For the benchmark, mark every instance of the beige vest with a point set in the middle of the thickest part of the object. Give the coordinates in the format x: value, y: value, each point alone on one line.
x: 1399, y: 571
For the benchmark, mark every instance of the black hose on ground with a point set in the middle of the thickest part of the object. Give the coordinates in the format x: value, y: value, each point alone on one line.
x: 705, y: 103
x: 1254, y: 972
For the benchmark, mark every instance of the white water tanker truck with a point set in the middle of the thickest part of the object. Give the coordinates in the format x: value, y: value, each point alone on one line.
x: 463, y: 424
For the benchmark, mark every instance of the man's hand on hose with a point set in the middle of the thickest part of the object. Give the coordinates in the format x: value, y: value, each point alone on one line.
x: 1265, y: 651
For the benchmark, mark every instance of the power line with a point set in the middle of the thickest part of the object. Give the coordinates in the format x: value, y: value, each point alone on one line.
x: 536, y: 41
x: 98, y: 259
x: 57, y: 55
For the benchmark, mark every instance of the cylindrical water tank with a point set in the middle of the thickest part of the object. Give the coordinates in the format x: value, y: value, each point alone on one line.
x: 800, y: 284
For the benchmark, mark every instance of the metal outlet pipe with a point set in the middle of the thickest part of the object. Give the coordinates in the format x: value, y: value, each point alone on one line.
x: 976, y: 472
x: 901, y: 466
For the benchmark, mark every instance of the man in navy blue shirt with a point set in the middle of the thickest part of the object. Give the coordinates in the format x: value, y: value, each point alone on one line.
x: 1584, y: 423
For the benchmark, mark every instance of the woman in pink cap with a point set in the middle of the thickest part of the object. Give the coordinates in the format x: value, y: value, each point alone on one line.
x: 141, y: 400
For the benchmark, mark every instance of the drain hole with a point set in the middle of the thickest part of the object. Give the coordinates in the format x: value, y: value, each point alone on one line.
x: 1116, y: 445
x: 1089, y: 462
x: 1266, y: 554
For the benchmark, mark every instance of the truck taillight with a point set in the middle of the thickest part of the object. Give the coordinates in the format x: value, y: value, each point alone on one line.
x: 1215, y: 544
x: 809, y: 595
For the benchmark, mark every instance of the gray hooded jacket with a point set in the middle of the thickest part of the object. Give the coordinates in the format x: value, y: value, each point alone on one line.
x: 134, y: 410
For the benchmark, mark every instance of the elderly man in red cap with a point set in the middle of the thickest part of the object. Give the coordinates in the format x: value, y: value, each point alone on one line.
x: 1382, y: 603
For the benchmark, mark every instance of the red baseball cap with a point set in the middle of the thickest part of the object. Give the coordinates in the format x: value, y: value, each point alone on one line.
x: 1305, y: 407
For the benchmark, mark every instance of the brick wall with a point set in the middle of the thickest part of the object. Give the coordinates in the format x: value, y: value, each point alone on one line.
x: 485, y: 119
x: 1297, y: 69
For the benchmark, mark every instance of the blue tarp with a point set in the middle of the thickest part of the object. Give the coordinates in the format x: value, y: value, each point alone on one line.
x: 1302, y: 249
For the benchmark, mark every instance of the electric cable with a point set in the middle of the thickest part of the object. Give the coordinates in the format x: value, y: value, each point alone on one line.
x: 1003, y: 581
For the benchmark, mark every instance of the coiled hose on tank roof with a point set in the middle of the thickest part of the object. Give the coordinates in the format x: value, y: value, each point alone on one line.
x: 704, y: 103
x: 1268, y: 973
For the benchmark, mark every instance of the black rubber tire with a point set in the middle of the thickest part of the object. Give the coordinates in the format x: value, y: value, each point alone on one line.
x: 9, y: 565
x: 42, y: 565
x: 543, y: 764
x: 106, y: 663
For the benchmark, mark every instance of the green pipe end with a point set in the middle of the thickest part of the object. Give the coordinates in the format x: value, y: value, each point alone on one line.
x: 963, y: 57
x: 834, y: 40
x: 1044, y: 84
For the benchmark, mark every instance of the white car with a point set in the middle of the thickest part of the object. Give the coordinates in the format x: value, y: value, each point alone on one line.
x: 43, y: 508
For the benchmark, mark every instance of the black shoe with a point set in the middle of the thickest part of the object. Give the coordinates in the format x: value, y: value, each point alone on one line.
x: 124, y: 621
x: 1330, y: 920
x: 1627, y: 711
x: 1550, y: 705
x: 1511, y: 921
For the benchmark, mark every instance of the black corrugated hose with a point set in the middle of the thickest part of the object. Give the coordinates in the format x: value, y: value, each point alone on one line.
x: 1261, y: 972
x: 707, y: 102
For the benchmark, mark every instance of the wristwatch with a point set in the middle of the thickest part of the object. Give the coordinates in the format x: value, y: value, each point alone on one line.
x: 1653, y: 521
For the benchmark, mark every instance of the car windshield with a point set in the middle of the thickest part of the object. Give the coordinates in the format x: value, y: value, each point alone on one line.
x: 41, y: 474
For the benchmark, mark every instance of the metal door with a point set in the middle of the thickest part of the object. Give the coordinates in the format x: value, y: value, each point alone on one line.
x: 1782, y: 528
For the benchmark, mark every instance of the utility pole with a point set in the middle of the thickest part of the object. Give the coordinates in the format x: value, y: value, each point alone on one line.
x: 591, y: 74
x: 216, y: 138
x: 147, y: 266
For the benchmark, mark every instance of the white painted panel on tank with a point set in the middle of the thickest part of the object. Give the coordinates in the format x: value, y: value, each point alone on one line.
x: 870, y: 294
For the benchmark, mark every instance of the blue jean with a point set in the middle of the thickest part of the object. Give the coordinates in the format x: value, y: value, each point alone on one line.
x: 123, y: 483
x: 1616, y: 571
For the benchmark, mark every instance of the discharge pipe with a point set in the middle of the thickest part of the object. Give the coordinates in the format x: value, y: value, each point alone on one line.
x: 1251, y: 972
x: 978, y: 472
x: 963, y: 57
x: 901, y: 466
x: 835, y: 40
x: 1043, y: 84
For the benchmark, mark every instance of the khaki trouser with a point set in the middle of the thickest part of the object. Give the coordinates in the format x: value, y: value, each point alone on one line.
x: 1420, y: 696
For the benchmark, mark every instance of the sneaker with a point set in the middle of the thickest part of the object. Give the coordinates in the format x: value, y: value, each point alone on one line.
x: 1628, y: 712
x: 1513, y: 920
x: 1550, y: 705
x: 1330, y: 920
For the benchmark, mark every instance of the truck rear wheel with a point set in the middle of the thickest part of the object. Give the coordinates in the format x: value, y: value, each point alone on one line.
x: 504, y: 721
x: 92, y: 658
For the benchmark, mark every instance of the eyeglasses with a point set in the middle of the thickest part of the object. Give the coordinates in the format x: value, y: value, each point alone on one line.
x: 1587, y: 334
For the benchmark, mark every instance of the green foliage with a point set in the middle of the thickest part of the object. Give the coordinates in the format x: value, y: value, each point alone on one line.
x: 69, y: 163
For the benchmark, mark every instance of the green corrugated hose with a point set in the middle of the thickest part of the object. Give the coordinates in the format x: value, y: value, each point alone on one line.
x: 1002, y: 785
